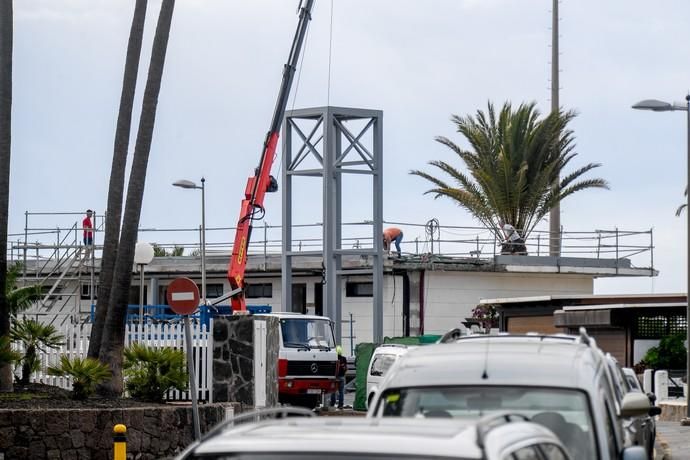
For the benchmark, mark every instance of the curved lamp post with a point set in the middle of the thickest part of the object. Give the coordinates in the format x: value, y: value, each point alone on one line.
x: 189, y: 184
x: 661, y: 106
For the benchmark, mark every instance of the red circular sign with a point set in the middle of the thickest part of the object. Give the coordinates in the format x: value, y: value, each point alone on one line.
x: 183, y: 296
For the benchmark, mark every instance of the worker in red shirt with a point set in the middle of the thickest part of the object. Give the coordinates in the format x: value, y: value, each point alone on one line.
x: 395, y: 235
x: 87, y: 225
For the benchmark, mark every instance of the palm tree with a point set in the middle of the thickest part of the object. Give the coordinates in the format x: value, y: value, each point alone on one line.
x: 160, y: 251
x: 19, y: 298
x: 7, y: 355
x: 514, y: 160
x: 117, y: 176
x: 112, y: 344
x: 6, y: 33
x: 35, y: 337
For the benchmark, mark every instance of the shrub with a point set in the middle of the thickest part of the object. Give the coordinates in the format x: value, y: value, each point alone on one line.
x: 7, y: 355
x: 150, y: 372
x: 486, y: 315
x: 35, y: 337
x: 86, y: 374
x: 669, y: 354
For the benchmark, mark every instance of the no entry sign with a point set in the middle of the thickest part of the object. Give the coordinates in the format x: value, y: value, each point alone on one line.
x: 183, y: 296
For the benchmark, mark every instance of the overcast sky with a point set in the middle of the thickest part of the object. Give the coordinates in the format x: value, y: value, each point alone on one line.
x: 417, y: 61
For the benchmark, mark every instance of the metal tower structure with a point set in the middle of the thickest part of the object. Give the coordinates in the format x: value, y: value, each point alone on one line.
x: 339, y: 148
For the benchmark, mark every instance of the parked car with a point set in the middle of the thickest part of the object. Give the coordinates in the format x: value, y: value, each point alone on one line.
x: 645, y: 426
x: 559, y: 381
x: 501, y: 437
x: 381, y: 360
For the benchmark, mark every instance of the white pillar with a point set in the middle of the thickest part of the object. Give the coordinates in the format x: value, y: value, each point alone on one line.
x: 661, y: 385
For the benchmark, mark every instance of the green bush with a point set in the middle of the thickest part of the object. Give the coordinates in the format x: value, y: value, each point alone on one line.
x: 86, y: 374
x: 669, y: 354
x: 36, y: 338
x: 7, y: 355
x: 150, y: 372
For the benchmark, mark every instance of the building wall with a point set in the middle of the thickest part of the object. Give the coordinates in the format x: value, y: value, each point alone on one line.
x: 451, y: 296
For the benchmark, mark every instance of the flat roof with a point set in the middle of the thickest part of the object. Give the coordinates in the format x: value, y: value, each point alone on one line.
x: 620, y: 306
x: 548, y: 298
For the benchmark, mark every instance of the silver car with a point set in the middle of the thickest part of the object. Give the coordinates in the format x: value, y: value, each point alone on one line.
x: 501, y: 437
x: 645, y: 426
x: 561, y: 382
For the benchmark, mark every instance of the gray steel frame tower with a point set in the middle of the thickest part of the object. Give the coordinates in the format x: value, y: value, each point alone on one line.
x: 342, y: 152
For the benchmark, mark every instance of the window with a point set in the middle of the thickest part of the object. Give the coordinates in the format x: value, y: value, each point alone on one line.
x: 381, y: 364
x: 552, y: 452
x: 526, y: 453
x: 213, y: 290
x: 564, y: 412
x: 359, y: 289
x: 258, y: 291
x: 86, y: 291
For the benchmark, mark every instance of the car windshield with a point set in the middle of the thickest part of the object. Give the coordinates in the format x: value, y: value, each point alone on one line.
x: 565, y: 412
x: 307, y: 333
x: 320, y: 456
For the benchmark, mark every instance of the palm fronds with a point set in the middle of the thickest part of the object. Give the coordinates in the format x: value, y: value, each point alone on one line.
x: 514, y: 160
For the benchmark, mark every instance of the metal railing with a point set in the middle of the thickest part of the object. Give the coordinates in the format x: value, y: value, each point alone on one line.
x: 429, y: 238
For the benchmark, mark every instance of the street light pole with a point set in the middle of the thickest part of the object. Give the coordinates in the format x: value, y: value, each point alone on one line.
x: 190, y: 184
x: 661, y: 106
x: 203, y: 241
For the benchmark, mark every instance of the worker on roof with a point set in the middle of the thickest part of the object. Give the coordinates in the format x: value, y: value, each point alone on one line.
x: 392, y: 235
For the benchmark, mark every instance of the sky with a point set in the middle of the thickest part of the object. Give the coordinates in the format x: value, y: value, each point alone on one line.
x: 418, y: 62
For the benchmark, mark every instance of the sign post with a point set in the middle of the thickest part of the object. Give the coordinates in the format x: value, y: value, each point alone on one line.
x: 183, y: 298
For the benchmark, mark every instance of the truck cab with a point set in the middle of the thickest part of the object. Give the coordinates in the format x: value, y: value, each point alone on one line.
x: 307, y: 359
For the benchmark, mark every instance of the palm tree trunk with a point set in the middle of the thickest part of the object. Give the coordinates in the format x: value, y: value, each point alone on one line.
x: 114, y: 332
x: 5, y: 148
x: 117, y: 176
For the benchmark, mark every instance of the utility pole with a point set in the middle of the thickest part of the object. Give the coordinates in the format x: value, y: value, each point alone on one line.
x: 555, y: 213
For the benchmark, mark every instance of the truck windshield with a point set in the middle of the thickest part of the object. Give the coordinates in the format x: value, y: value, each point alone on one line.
x: 563, y: 411
x: 307, y: 333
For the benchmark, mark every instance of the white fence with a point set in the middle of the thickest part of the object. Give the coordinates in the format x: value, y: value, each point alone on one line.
x: 76, y: 338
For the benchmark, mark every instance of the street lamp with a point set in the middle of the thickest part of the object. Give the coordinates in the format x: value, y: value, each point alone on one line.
x: 661, y: 106
x: 143, y: 255
x: 190, y: 184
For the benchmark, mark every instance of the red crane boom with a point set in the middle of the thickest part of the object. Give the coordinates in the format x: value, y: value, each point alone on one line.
x: 262, y: 182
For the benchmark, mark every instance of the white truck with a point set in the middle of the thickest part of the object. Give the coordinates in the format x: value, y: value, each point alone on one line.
x: 307, y: 359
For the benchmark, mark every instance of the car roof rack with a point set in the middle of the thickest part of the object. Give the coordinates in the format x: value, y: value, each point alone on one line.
x: 488, y: 423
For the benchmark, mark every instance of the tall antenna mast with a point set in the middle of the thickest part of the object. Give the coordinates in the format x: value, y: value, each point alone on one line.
x: 555, y: 213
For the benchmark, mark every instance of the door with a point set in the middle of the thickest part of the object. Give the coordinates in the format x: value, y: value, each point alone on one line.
x: 318, y: 299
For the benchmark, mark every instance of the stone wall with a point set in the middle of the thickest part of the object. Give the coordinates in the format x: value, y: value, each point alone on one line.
x: 152, y: 432
x: 233, y: 359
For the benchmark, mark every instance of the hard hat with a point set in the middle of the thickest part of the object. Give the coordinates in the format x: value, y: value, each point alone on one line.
x: 339, y: 350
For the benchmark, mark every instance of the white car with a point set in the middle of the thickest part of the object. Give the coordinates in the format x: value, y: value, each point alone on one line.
x: 559, y: 381
x: 503, y: 437
x: 382, y: 359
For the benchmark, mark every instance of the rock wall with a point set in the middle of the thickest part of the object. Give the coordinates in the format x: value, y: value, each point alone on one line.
x: 152, y: 432
x: 233, y: 359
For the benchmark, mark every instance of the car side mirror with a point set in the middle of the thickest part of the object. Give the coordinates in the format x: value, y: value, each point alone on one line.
x: 634, y: 404
x: 652, y: 397
x: 635, y: 453
x: 654, y: 411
